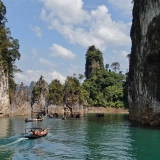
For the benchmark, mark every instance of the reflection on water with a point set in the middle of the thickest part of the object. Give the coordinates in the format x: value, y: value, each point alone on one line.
x: 4, y: 125
x: 108, y: 137
x: 88, y: 137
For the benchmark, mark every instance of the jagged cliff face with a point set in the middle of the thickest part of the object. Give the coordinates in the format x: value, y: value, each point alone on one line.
x: 4, y: 94
x: 40, y: 104
x: 39, y: 96
x: 144, y: 71
x: 21, y: 104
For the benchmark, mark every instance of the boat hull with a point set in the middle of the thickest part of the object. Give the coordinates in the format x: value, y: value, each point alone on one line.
x: 34, y: 136
x: 33, y: 120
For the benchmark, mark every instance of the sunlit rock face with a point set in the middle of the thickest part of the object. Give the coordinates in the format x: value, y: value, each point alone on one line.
x: 59, y: 109
x: 70, y: 106
x: 4, y: 94
x: 40, y: 104
x: 144, y: 69
x: 21, y: 104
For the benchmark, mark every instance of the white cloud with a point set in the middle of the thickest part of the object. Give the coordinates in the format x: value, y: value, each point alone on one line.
x: 60, y: 51
x: 37, y: 31
x: 34, y: 51
x: 46, y: 62
x: 35, y: 75
x: 73, y: 69
x: 66, y: 11
x: 120, y: 54
x: 84, y: 28
x: 56, y: 75
x: 125, y: 6
x: 121, y: 58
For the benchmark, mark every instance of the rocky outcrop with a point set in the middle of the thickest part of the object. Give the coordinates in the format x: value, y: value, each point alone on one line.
x: 4, y: 94
x: 144, y: 72
x: 66, y: 109
x: 39, y: 105
x: 94, y: 60
x: 90, y: 68
x: 55, y: 109
x: 21, y: 104
x: 74, y: 108
x: 72, y: 103
x: 38, y: 99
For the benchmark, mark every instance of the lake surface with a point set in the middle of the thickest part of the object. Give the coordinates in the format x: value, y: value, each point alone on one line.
x: 112, y: 137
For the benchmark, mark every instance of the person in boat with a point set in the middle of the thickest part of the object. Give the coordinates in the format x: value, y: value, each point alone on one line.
x: 41, y: 132
x: 44, y: 131
x: 30, y: 132
x: 38, y: 132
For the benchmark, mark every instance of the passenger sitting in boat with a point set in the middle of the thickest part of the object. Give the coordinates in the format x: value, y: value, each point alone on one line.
x: 41, y: 132
x: 30, y: 132
x: 38, y: 132
x: 44, y: 132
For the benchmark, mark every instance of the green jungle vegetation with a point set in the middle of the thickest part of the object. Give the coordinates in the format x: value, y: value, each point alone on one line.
x: 9, y: 51
x: 103, y: 87
x: 98, y: 86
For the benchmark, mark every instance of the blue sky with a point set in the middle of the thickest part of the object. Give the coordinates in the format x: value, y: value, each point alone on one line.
x: 54, y: 35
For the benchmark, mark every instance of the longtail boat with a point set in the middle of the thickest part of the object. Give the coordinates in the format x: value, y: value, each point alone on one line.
x: 27, y: 133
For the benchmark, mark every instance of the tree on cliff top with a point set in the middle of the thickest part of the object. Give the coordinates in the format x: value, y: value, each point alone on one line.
x: 74, y: 92
x: 55, y: 93
x: 9, y: 47
x: 115, y: 66
x: 9, y: 50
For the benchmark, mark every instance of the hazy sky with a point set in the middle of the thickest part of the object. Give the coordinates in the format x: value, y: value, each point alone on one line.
x: 54, y: 35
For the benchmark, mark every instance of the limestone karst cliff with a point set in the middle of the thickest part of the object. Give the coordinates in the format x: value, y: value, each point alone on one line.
x: 4, y: 94
x: 9, y: 53
x: 21, y: 103
x: 38, y: 99
x: 144, y: 69
x: 94, y: 59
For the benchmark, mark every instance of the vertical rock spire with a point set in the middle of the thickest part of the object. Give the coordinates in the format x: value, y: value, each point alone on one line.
x: 144, y: 72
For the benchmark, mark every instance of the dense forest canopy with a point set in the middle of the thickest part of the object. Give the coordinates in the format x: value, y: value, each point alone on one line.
x: 55, y: 93
x: 74, y: 91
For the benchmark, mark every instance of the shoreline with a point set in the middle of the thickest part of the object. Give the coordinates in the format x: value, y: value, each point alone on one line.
x: 93, y: 110
x: 107, y: 110
x: 119, y: 110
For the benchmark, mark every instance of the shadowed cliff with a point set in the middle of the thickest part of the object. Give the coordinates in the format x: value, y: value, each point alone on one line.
x: 144, y: 72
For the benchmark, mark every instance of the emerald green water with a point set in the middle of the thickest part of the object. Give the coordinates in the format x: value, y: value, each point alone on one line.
x: 112, y: 137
